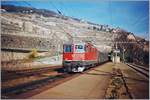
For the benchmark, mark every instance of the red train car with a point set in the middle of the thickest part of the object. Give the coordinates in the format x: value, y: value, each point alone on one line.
x: 79, y: 56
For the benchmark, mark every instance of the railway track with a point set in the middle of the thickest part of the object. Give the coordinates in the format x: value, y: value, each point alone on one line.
x: 13, y: 92
x: 144, y: 68
x: 140, y: 69
x: 22, y: 88
x: 42, y: 81
x: 10, y: 75
x: 39, y: 79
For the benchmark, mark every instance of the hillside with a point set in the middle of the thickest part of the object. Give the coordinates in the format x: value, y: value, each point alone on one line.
x: 24, y: 28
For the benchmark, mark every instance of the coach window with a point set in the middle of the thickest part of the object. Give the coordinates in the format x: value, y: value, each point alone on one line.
x: 67, y: 48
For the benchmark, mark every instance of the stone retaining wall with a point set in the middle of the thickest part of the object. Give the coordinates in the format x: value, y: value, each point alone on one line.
x: 9, y: 56
x: 15, y: 41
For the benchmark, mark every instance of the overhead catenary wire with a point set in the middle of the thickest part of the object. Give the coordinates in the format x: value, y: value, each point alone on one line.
x: 60, y: 26
x: 139, y: 20
x: 28, y: 4
x: 65, y: 10
x: 71, y: 8
x: 63, y: 28
x: 59, y: 12
x: 56, y: 24
x: 111, y: 24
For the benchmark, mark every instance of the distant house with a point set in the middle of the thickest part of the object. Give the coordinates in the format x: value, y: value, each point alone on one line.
x: 117, y: 30
x: 140, y: 39
x: 146, y: 46
x: 131, y: 36
x: 3, y: 10
x: 83, y: 21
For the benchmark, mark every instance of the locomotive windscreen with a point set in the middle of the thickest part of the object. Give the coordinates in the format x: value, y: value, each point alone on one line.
x: 67, y: 48
x: 79, y: 48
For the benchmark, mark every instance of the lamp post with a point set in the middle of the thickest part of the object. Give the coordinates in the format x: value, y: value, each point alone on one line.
x: 116, y: 54
x: 123, y: 54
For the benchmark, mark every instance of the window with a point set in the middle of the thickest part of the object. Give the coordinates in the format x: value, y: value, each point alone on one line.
x: 79, y: 47
x: 67, y: 48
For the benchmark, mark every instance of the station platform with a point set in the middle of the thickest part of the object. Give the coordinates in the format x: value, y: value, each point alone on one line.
x: 92, y: 84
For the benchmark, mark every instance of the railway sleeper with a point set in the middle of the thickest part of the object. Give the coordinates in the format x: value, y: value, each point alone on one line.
x: 30, y: 85
x: 117, y: 88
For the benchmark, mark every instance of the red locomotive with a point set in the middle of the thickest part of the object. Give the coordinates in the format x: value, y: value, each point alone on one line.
x: 80, y: 56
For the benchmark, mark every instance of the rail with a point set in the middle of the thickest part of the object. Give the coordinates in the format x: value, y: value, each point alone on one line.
x: 140, y: 69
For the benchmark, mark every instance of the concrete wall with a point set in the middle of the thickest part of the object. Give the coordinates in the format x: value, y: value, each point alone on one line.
x: 39, y: 63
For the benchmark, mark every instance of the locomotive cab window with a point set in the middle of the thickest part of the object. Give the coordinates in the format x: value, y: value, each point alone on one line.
x: 79, y: 48
x: 67, y: 48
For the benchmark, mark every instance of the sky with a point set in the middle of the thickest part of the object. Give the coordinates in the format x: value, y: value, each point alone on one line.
x: 132, y: 16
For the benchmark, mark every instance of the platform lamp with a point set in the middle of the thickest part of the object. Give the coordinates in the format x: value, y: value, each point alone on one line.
x: 123, y: 54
